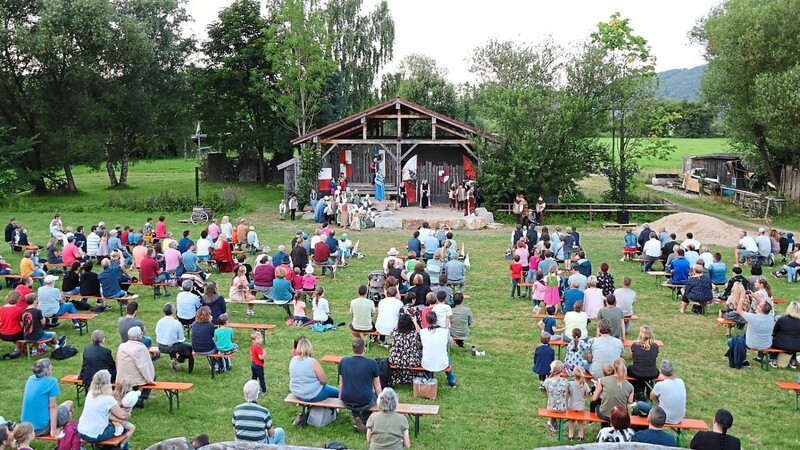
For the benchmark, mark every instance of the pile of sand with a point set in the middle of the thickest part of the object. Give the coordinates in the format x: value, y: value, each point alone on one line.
x: 707, y: 230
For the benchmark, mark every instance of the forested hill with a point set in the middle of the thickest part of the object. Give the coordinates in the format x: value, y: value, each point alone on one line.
x: 681, y: 84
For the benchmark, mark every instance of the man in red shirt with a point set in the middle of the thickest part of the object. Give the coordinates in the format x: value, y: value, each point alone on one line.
x: 71, y: 252
x: 322, y: 255
x: 151, y: 273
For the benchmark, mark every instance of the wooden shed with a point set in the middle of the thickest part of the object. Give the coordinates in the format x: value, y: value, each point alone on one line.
x: 403, y: 141
x: 725, y: 168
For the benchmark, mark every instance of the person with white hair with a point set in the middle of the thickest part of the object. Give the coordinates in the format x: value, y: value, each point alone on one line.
x: 386, y: 428
x: 51, y: 303
x: 39, y: 399
x: 134, y: 364
x: 188, y: 303
x: 253, y: 422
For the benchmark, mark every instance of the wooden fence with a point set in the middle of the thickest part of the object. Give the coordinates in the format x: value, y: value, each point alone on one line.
x: 665, y: 207
x: 790, y: 183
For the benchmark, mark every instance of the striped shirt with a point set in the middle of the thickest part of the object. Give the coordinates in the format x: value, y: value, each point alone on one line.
x: 251, y: 422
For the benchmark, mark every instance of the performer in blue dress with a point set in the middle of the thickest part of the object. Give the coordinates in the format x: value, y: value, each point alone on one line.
x: 380, y: 193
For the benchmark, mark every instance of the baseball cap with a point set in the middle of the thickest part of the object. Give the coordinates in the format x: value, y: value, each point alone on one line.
x: 50, y: 279
x: 761, y: 230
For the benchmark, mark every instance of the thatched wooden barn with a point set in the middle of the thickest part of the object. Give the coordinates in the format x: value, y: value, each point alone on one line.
x: 404, y: 141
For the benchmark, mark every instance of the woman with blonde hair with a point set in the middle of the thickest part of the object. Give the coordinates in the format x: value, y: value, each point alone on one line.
x: 786, y: 334
x: 226, y: 228
x: 99, y: 408
x: 223, y: 255
x: 738, y: 295
x: 240, y: 289
x: 307, y: 380
x: 614, y: 390
x: 644, y: 353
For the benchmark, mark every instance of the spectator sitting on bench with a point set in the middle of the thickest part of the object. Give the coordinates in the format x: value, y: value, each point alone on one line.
x: 604, y: 349
x: 134, y: 364
x: 52, y: 305
x: 631, y: 245
x: 307, y: 379
x: 679, y: 269
x: 670, y: 394
x: 96, y: 357
x: 189, y: 261
x: 435, y: 340
x: 39, y: 401
x: 170, y: 339
x: 651, y: 252
x: 129, y: 321
x: 786, y: 334
x: 737, y: 278
x: 239, y: 290
x: 717, y: 270
x: 759, y: 326
x: 29, y: 267
x: 644, y: 235
x: 613, y: 391
x: 668, y: 248
x: 11, y: 321
x: 72, y: 280
x: 386, y: 428
x: 654, y: 434
x: 456, y: 273
x: 620, y: 430
x: 362, y: 309
x: 698, y: 289
x: 746, y: 248
x: 253, y: 422
x: 110, y: 278
x: 359, y: 384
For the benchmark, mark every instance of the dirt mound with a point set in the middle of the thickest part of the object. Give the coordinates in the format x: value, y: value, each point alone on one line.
x: 707, y: 230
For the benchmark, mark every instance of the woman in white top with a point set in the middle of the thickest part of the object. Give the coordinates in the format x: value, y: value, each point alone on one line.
x: 101, y: 406
x: 388, y: 313
x: 593, y: 298
x: 226, y: 226
x: 321, y: 308
x: 434, y: 348
x: 240, y: 289
x: 203, y: 246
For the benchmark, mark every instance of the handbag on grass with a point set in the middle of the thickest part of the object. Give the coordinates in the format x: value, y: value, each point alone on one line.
x: 320, y: 417
x: 425, y: 388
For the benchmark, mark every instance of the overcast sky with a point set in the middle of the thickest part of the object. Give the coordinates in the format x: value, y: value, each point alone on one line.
x: 448, y: 30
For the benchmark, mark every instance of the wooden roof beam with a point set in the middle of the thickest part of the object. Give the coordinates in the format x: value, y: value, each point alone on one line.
x: 395, y: 141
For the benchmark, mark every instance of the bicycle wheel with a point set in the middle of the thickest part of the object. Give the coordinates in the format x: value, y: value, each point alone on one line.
x: 199, y: 217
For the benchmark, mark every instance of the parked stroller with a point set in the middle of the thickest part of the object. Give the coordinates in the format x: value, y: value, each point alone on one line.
x: 375, y: 285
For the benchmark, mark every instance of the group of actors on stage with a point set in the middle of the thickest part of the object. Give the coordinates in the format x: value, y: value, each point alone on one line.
x: 462, y: 196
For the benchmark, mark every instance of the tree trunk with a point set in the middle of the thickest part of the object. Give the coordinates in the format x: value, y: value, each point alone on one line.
x: 127, y: 149
x: 70, y: 178
x: 112, y: 174
x: 762, y: 150
x: 262, y: 170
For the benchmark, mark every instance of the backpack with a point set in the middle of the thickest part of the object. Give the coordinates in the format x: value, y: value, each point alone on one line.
x: 71, y: 440
x: 385, y: 370
x: 64, y: 352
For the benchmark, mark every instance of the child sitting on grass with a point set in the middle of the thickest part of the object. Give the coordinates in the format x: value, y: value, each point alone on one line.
x: 549, y: 322
x: 578, y: 391
x: 542, y: 358
x: 299, y: 305
x: 223, y: 336
x: 557, y: 389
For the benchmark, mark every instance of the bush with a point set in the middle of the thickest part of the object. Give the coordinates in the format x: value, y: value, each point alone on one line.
x: 228, y: 199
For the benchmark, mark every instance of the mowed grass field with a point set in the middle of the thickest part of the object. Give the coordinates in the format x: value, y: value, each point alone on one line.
x: 495, y: 403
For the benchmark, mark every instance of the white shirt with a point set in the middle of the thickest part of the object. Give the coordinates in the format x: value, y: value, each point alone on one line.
x: 314, y: 239
x: 203, y: 246
x: 694, y: 242
x: 321, y: 310
x: 652, y: 248
x: 169, y: 331
x: 96, y: 411
x: 188, y: 304
x: 388, y: 315
x: 92, y: 244
x: 707, y: 258
x: 443, y: 311
x: 434, y: 349
x: 749, y: 244
x: 425, y: 232
x: 227, y: 229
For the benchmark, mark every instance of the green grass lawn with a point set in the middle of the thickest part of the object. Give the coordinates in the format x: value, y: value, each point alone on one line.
x: 496, y: 401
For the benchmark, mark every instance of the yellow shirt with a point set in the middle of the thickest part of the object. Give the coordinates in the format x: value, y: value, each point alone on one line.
x: 26, y: 267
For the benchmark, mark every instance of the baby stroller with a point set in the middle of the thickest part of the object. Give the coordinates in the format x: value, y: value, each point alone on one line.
x: 198, y: 286
x: 377, y: 280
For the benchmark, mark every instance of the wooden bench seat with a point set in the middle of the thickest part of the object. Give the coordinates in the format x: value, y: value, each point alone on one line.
x: 637, y: 421
x: 29, y: 345
x: 121, y: 301
x: 218, y: 355
x: 14, y: 275
x: 260, y: 327
x: 792, y: 386
x: 266, y: 303
x: 163, y: 284
x: 171, y: 388
x: 415, y: 411
x: 113, y: 441
x: 82, y: 318
x: 561, y: 316
x: 336, y: 359
x: 627, y: 343
x: 619, y: 225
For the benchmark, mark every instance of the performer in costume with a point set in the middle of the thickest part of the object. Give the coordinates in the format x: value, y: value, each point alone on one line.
x: 469, y: 203
x: 380, y: 194
x: 424, y: 194
x: 403, y: 196
x: 540, y: 206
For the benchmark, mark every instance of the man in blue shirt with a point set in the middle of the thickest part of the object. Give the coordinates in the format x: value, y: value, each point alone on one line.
x: 359, y: 384
x: 277, y: 259
x: 654, y: 434
x: 414, y: 244
x: 110, y: 278
x: 680, y: 269
x: 183, y: 244
x: 717, y: 270
x: 333, y: 244
x: 189, y: 259
x: 572, y: 295
x: 114, y: 243
x: 431, y: 244
x: 39, y: 399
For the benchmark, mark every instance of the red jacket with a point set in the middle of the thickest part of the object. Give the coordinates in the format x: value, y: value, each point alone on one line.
x: 322, y: 252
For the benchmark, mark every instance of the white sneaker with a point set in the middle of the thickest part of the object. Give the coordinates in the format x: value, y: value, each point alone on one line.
x: 251, y: 313
x: 622, y: 259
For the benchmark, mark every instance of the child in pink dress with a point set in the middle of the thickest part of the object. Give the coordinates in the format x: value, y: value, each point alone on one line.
x: 551, y: 281
x: 538, y: 289
x: 309, y: 280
